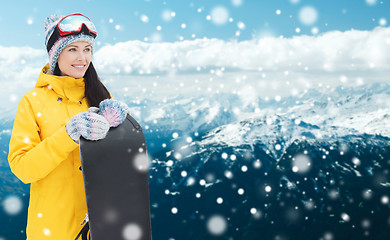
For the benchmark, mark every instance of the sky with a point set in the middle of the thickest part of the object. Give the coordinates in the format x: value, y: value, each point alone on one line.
x: 173, y: 20
x: 154, y: 49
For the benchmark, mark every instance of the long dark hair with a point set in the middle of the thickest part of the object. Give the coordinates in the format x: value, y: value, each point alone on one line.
x: 95, y: 91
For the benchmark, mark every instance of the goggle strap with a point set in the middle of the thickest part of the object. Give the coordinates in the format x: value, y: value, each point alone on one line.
x: 53, y: 38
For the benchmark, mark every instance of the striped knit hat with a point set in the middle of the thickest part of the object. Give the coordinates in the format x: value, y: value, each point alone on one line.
x: 55, y: 43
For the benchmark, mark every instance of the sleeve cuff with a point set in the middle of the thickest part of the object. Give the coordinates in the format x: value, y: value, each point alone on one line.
x: 65, y: 139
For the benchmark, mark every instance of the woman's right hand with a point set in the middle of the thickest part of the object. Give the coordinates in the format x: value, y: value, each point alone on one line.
x: 90, y: 125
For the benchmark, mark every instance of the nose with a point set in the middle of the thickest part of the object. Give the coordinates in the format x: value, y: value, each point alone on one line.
x: 81, y: 56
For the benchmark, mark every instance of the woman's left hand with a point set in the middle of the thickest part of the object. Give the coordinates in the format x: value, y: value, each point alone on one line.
x: 114, y: 111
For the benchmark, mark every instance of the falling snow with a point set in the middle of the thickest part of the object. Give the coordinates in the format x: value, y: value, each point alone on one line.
x: 219, y: 15
x: 308, y: 15
x: 253, y: 130
x: 216, y: 225
x: 132, y: 231
x: 301, y: 163
x: 144, y: 18
x: 12, y: 205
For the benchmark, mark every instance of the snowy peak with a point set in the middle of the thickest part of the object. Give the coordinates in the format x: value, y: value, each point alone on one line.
x: 322, y: 113
x: 275, y: 132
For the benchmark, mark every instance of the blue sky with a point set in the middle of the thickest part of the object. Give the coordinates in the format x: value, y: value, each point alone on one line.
x: 348, y: 45
x: 177, y: 20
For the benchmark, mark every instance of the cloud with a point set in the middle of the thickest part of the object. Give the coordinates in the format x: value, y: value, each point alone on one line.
x: 19, y: 69
x: 329, y: 52
x: 14, y: 61
x: 268, y: 66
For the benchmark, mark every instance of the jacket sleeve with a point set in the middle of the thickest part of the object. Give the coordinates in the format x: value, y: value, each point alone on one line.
x: 29, y: 157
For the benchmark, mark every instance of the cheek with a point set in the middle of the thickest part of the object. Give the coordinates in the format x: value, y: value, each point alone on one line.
x: 89, y: 60
x: 63, y: 59
x: 61, y: 63
x: 89, y: 57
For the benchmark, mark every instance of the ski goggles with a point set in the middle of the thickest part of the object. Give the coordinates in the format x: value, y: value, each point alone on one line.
x: 73, y: 24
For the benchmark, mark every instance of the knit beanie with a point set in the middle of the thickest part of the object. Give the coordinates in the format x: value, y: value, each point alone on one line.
x: 55, y: 43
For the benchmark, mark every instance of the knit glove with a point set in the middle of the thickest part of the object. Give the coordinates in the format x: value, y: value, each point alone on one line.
x: 90, y: 125
x: 114, y: 111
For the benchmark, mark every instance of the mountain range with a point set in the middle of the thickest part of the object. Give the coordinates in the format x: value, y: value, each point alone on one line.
x: 235, y: 166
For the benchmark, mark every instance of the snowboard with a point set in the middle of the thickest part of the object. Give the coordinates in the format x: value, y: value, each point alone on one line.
x: 115, y: 173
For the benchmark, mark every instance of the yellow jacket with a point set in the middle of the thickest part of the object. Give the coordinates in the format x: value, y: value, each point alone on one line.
x: 42, y: 153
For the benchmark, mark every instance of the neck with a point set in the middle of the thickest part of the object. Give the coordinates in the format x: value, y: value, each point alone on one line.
x: 49, y: 72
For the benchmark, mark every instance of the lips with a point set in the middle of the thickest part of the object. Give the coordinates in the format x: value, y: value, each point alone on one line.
x: 77, y: 66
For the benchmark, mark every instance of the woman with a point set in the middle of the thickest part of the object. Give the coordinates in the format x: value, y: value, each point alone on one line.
x: 51, y: 118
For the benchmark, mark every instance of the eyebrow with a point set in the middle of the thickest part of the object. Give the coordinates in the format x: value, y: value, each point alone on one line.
x: 70, y: 45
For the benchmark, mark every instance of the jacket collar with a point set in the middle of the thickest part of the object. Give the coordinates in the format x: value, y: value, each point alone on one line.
x: 64, y: 86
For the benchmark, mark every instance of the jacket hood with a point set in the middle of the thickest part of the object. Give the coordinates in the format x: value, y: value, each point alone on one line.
x: 65, y: 86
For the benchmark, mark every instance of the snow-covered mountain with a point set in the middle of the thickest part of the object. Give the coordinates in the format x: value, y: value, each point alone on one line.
x: 314, y: 191
x: 291, y: 170
x: 232, y: 166
x: 317, y: 112
x: 330, y: 187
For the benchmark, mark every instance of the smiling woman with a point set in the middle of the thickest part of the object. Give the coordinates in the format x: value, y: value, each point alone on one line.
x: 51, y: 118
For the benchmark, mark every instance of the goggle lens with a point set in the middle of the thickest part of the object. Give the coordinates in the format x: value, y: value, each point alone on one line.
x: 73, y: 24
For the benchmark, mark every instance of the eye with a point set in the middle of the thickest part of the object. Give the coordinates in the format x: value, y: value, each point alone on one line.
x: 87, y: 49
x: 72, y: 49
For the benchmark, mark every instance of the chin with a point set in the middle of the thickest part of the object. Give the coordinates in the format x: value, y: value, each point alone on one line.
x: 75, y: 74
x: 78, y: 76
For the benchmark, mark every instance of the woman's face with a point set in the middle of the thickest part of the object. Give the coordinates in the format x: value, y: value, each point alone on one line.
x: 74, y: 60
